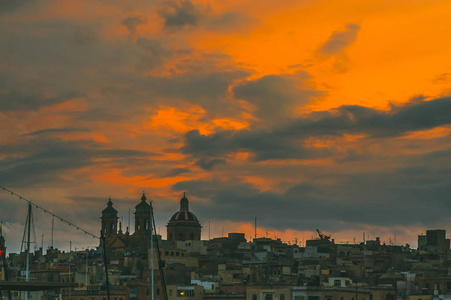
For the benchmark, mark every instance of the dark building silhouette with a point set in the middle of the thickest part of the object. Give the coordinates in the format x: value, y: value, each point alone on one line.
x: 434, y: 241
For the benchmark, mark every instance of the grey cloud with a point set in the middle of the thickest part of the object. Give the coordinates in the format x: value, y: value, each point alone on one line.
x: 54, y: 130
x: 176, y: 172
x: 153, y: 52
x: 84, y: 37
x: 228, y: 21
x: 340, y: 40
x: 286, y: 142
x: 46, y: 160
x: 14, y: 100
x: 131, y: 22
x: 73, y: 58
x: 275, y: 95
x: 8, y: 6
x: 178, y: 14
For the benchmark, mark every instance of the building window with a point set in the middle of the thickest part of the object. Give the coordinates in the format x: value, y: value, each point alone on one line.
x: 268, y: 297
x: 177, y: 253
x: 337, y: 282
x: 282, y: 297
x: 147, y: 292
x: 328, y: 298
x: 254, y: 296
x: 185, y: 293
x: 170, y: 293
x: 158, y: 292
x: 166, y: 252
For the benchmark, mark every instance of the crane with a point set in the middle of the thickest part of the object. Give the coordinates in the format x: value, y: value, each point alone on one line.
x: 322, y: 236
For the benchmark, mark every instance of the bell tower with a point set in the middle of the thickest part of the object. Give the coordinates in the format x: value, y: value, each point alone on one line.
x: 109, y: 219
x: 142, y: 217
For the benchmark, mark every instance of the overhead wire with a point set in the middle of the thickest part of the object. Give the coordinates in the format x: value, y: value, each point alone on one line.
x: 48, y: 212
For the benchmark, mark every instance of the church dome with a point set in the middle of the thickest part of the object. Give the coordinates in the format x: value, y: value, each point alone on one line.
x: 183, y: 225
x: 184, y: 216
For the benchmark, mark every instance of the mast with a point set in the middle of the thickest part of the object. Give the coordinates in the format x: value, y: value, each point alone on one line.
x: 27, y: 275
x: 102, y: 238
x: 160, y: 262
x: 70, y: 261
x: 53, y: 223
x: 3, y: 254
x: 151, y: 247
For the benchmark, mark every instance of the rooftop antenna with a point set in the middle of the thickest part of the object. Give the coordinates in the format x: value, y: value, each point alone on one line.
x: 151, y: 247
x: 128, y: 220
x: 255, y: 227
x: 208, y: 230
x: 53, y: 224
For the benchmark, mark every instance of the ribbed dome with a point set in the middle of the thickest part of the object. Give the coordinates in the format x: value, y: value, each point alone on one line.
x: 184, y: 216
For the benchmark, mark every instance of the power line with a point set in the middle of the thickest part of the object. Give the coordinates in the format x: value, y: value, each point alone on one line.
x: 48, y: 212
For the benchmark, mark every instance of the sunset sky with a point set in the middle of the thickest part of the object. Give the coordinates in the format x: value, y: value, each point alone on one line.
x: 307, y: 114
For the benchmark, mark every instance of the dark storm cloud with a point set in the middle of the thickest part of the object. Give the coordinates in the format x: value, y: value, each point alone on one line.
x: 340, y: 40
x: 45, y: 160
x: 178, y: 14
x: 211, y: 150
x: 275, y: 95
x: 20, y: 101
x: 287, y: 141
x: 353, y: 199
